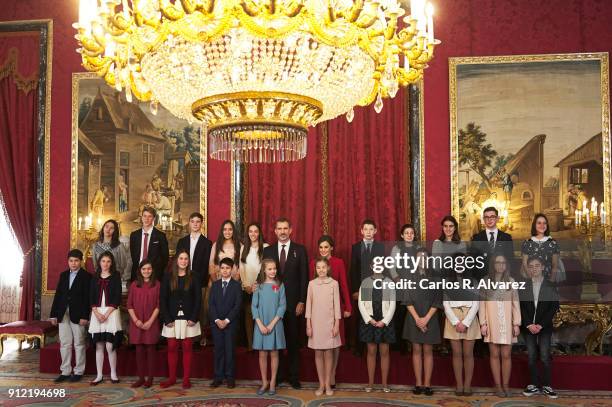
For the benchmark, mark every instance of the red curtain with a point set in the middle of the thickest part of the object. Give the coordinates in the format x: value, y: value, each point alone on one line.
x: 18, y: 149
x: 292, y: 190
x: 367, y: 176
x: 369, y: 173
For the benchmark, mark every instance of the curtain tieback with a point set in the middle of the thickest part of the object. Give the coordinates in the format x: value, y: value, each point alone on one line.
x: 26, y: 254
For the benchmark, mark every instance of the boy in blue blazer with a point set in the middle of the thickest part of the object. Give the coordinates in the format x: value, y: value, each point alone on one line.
x: 223, y: 311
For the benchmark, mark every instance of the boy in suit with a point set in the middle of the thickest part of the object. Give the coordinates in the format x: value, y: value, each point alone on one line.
x: 149, y: 243
x: 292, y: 263
x: 224, y: 307
x: 490, y: 241
x: 362, y: 254
x: 539, y: 304
x: 199, y: 247
x: 71, y: 310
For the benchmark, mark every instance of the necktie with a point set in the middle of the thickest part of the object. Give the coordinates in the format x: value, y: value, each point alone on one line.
x: 492, y: 240
x: 283, y: 258
x: 145, y: 247
x: 224, y: 287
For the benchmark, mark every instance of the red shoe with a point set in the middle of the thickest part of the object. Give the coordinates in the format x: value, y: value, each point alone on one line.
x: 186, y: 384
x: 148, y: 383
x: 138, y: 383
x: 167, y: 383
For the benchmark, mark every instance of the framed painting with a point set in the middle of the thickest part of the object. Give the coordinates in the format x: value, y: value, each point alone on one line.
x: 529, y: 134
x: 126, y: 156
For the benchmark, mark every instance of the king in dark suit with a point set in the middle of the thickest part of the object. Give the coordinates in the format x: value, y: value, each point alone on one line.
x: 149, y: 243
x: 224, y: 308
x: 490, y: 242
x: 292, y: 262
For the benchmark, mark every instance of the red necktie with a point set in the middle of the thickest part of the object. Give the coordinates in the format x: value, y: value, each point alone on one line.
x: 283, y: 258
x: 145, y: 248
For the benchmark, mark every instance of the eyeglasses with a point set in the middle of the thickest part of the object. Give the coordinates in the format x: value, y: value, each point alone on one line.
x: 490, y: 217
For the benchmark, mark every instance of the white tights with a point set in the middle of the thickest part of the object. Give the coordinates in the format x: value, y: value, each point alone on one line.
x: 112, y: 359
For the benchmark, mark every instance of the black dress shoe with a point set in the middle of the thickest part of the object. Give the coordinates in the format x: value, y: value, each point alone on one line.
x: 428, y: 391
x: 231, y: 383
x: 417, y: 390
x: 115, y: 381
x: 61, y: 378
x: 76, y: 378
x: 295, y: 384
x: 216, y: 383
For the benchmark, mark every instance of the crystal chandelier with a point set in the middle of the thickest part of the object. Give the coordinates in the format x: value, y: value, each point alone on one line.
x: 256, y: 73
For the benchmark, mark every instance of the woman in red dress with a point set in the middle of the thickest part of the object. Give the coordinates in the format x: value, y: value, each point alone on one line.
x: 143, y: 307
x: 338, y: 273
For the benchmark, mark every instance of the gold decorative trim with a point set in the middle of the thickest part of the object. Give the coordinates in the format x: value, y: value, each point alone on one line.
x: 232, y: 190
x: 599, y: 314
x: 422, y: 210
x: 204, y: 177
x: 324, y: 145
x: 10, y: 67
x: 47, y: 144
x: 453, y: 63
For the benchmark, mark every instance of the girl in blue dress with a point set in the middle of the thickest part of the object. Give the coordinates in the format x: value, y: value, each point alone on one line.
x: 268, y: 307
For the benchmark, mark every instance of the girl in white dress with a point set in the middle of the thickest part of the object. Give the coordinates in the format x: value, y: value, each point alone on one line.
x: 105, y: 321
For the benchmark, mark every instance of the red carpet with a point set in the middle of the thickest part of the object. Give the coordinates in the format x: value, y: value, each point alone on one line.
x: 569, y: 372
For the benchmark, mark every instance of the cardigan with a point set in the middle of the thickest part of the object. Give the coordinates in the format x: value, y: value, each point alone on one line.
x: 111, y: 286
x: 365, y: 301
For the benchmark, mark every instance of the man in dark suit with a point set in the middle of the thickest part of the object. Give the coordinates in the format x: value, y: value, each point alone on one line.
x: 198, y: 246
x: 149, y: 243
x: 224, y: 308
x: 490, y: 241
x: 71, y: 310
x: 362, y: 254
x: 292, y: 263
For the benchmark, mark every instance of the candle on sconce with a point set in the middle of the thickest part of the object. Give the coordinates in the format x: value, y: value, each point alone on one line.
x: 80, y: 222
x: 594, y: 206
x: 430, y: 27
x: 603, y: 215
x: 578, y: 218
x: 588, y: 217
x: 584, y: 206
x: 170, y: 222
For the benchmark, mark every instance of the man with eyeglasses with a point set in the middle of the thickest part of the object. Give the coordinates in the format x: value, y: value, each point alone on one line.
x: 490, y: 241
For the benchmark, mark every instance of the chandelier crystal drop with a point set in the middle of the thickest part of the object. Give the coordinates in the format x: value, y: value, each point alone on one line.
x: 256, y: 73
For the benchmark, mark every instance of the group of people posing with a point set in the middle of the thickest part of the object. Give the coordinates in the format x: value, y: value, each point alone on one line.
x: 265, y: 291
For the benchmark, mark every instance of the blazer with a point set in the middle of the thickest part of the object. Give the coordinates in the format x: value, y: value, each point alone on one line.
x: 201, y: 255
x: 75, y: 298
x: 480, y: 247
x: 173, y: 301
x: 544, y: 312
x: 112, y: 291
x: 157, y: 254
x: 225, y: 306
x: 360, y: 265
x: 295, y: 274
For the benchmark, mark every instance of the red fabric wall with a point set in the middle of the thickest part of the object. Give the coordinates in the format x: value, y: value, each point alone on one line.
x: 65, y: 62
x: 466, y: 28
x: 497, y: 27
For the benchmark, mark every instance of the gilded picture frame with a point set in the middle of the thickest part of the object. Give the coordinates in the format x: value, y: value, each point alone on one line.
x: 529, y: 133
x: 156, y: 156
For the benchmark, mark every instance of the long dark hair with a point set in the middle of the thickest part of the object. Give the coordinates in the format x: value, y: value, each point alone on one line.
x: 113, y: 267
x: 456, y: 238
x: 261, y: 278
x: 115, y: 237
x: 534, y: 232
x: 247, y: 242
x: 140, y: 279
x: 221, y: 240
x: 174, y: 277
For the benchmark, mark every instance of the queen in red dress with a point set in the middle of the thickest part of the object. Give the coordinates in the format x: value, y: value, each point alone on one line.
x: 338, y: 273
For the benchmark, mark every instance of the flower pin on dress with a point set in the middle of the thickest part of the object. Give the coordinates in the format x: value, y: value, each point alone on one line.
x: 275, y: 288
